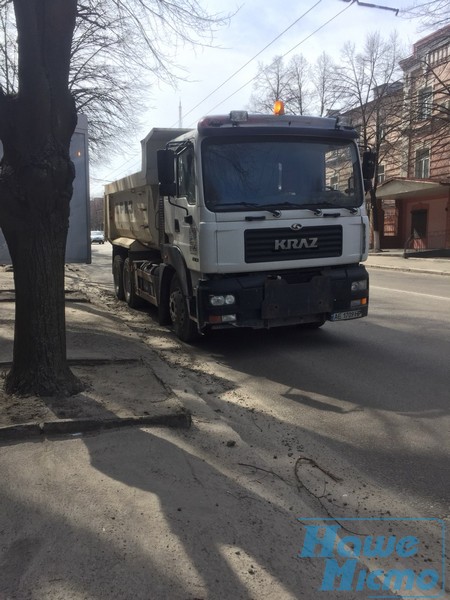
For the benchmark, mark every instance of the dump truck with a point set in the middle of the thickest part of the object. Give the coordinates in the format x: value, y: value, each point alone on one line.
x: 246, y: 220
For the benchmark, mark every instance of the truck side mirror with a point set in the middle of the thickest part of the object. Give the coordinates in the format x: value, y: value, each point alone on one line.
x: 166, y: 172
x: 368, y: 168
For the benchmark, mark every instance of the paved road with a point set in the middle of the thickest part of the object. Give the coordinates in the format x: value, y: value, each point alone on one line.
x: 349, y: 421
x: 100, y: 269
x: 373, y: 393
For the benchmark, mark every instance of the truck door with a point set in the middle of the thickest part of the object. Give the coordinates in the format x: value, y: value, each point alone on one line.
x: 183, y: 212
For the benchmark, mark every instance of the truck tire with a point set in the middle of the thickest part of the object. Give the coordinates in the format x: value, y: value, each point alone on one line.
x: 118, y: 277
x: 183, y: 326
x: 129, y: 290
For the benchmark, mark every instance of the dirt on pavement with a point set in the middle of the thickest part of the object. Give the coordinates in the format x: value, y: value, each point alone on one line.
x: 113, y: 364
x: 206, y: 513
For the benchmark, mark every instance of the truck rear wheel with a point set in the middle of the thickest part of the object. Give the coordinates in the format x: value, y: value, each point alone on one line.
x: 118, y: 277
x: 184, y: 328
x: 129, y: 289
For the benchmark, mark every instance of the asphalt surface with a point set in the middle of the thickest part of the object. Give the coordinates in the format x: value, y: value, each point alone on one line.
x: 96, y: 335
x: 197, y: 513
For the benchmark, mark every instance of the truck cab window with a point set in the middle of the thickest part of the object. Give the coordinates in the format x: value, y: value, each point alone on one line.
x: 186, y: 175
x: 270, y: 171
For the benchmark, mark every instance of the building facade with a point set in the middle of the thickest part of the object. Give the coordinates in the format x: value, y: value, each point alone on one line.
x: 413, y: 180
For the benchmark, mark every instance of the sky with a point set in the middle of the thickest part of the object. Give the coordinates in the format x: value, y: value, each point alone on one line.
x: 220, y: 77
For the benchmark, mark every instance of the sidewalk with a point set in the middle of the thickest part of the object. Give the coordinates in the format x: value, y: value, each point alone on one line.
x: 122, y: 387
x: 393, y: 259
x: 173, y: 512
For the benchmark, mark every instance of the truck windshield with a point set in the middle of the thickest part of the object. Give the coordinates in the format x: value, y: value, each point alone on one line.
x: 272, y: 172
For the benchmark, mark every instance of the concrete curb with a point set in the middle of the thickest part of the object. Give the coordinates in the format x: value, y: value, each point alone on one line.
x: 408, y: 270
x: 87, y: 362
x: 181, y: 418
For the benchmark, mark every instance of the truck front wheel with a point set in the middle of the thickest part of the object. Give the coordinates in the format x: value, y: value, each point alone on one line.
x: 184, y: 328
x: 118, y: 277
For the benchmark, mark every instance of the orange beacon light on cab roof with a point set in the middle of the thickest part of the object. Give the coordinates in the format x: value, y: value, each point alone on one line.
x: 278, y: 107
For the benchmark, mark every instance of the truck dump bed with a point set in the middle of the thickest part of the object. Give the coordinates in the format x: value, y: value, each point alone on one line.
x: 132, y: 203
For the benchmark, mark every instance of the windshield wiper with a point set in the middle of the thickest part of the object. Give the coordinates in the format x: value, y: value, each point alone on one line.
x: 312, y: 207
x: 320, y: 205
x: 244, y: 205
x: 237, y: 205
x: 275, y: 208
x: 352, y: 209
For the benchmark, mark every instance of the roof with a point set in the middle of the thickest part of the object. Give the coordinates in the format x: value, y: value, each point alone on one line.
x: 403, y: 187
x: 423, y: 45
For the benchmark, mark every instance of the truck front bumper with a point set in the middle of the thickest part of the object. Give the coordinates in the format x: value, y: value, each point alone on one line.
x: 286, y: 298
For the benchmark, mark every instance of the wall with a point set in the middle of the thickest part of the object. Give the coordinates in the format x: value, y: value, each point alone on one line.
x: 78, y: 248
x: 437, y: 232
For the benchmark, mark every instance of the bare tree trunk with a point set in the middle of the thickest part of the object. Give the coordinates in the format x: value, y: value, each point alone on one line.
x: 36, y: 176
x: 37, y: 252
x: 375, y: 220
x: 376, y: 241
x: 36, y: 232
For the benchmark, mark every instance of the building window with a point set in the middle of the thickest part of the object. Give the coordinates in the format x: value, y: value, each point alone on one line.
x: 422, y: 163
x: 334, y: 181
x: 444, y: 109
x: 390, y: 224
x: 424, y: 103
x: 380, y: 174
x: 438, y: 56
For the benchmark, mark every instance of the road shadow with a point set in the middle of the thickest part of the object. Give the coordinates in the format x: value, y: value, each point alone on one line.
x: 368, y: 378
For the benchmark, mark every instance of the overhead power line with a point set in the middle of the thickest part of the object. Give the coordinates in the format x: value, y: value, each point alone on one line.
x: 130, y: 161
x: 285, y: 54
x: 253, y: 58
x: 233, y: 75
x: 349, y: 2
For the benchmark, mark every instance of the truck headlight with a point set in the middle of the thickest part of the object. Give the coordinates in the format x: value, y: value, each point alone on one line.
x: 222, y: 300
x: 357, y: 286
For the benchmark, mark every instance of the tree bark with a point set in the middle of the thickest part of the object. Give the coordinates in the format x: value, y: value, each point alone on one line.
x: 39, y: 357
x: 36, y: 176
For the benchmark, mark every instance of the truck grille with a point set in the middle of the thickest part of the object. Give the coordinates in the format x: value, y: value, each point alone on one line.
x: 268, y: 245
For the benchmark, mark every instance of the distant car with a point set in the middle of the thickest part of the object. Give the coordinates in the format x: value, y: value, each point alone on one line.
x: 97, y: 237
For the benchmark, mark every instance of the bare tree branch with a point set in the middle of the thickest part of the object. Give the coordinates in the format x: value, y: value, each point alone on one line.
x: 432, y: 14
x: 119, y: 48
